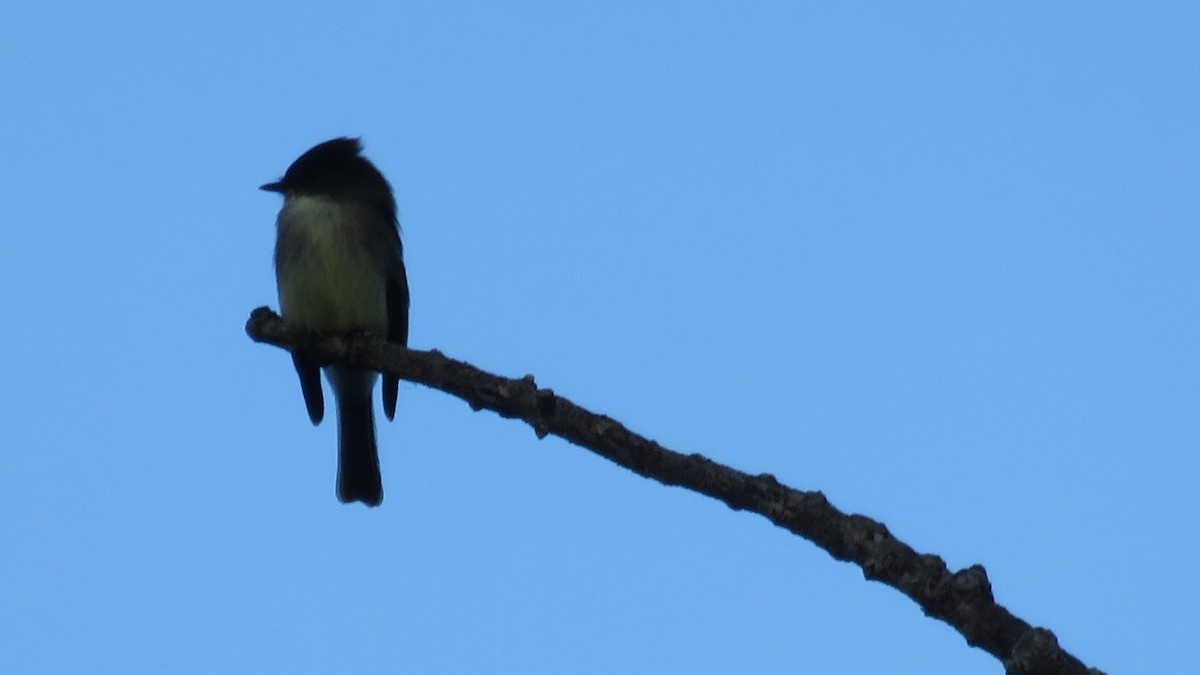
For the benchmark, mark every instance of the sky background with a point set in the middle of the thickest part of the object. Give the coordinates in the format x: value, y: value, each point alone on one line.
x: 936, y: 260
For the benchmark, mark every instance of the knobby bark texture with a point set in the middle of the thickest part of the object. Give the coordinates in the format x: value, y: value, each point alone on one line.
x: 961, y: 598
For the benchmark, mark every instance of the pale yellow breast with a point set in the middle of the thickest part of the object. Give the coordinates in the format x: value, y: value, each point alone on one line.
x: 329, y: 284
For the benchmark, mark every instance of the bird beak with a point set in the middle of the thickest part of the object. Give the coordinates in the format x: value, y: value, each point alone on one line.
x: 272, y: 187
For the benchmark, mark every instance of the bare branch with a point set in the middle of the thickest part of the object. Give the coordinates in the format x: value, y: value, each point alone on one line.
x: 962, y: 599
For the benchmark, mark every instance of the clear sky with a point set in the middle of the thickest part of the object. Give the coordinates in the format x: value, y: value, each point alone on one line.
x: 939, y: 262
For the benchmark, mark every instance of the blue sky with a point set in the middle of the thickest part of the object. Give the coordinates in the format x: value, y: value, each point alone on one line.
x: 939, y: 262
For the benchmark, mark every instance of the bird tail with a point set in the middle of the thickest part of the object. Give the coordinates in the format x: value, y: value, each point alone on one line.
x: 358, y: 459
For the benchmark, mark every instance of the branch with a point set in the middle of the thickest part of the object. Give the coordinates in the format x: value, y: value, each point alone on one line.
x: 962, y: 599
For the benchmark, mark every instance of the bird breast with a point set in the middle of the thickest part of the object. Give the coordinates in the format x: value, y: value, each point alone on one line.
x: 330, y: 281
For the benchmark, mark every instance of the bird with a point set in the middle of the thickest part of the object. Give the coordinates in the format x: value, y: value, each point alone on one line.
x: 339, y: 270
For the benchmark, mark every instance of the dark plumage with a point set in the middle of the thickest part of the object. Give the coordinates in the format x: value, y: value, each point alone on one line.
x: 340, y: 269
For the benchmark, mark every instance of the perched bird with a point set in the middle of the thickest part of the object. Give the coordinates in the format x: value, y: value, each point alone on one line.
x: 339, y: 266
